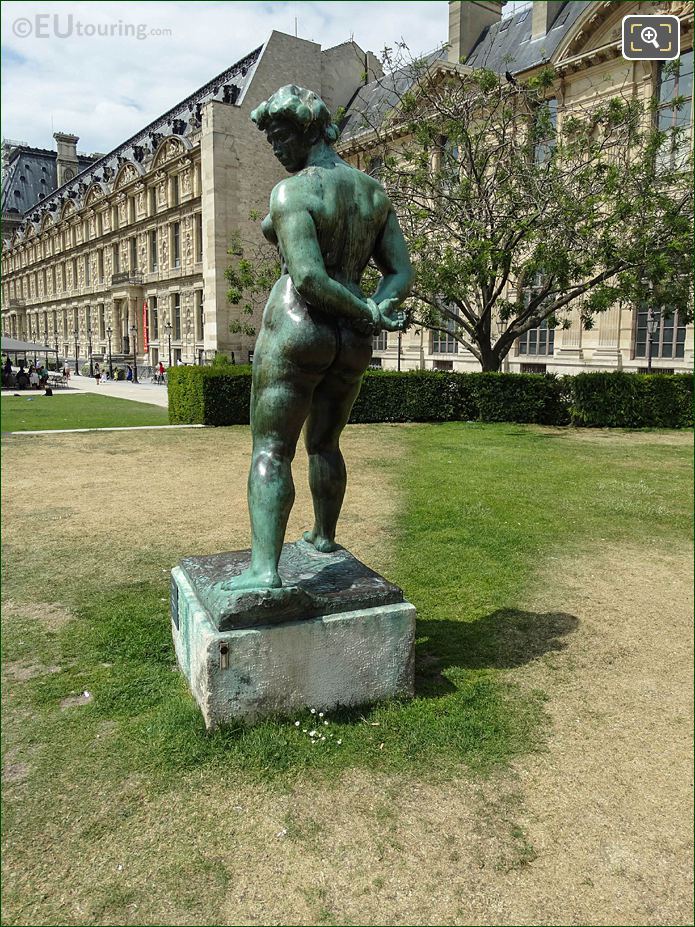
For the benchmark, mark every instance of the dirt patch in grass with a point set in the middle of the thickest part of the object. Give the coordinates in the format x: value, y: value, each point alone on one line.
x: 50, y: 616
x: 134, y: 495
x: 596, y: 829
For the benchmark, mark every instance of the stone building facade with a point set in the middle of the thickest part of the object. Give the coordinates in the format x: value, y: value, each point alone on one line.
x: 582, y: 41
x: 127, y: 256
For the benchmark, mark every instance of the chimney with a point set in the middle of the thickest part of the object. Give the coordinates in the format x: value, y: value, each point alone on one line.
x: 467, y: 21
x: 544, y: 15
x: 66, y: 164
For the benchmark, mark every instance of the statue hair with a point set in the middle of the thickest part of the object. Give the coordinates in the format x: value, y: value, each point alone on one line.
x: 295, y: 104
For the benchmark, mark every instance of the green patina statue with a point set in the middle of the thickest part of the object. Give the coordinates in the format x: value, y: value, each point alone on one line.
x: 328, y: 221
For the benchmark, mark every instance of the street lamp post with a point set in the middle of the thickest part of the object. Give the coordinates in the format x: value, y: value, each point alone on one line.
x: 652, y: 326
x: 109, y: 333
x: 134, y: 333
x: 75, y: 335
x: 167, y: 329
x: 89, y: 342
x: 652, y: 319
x: 501, y: 328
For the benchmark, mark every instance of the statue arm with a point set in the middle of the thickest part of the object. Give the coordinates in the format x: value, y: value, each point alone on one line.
x: 299, y: 246
x: 392, y: 260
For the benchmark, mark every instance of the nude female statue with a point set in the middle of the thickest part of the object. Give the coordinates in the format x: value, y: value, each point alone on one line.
x: 328, y: 221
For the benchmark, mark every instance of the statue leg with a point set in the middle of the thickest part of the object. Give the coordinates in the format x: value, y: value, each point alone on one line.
x: 278, y: 412
x: 330, y: 410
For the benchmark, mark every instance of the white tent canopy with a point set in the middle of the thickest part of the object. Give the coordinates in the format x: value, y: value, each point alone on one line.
x: 15, y: 346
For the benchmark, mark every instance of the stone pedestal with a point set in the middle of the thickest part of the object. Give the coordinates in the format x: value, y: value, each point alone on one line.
x: 335, y: 634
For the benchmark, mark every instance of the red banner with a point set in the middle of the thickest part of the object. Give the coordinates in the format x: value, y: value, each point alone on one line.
x: 145, y: 328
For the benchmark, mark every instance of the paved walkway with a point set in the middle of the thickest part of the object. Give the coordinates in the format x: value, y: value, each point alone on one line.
x: 72, y: 431
x: 153, y: 394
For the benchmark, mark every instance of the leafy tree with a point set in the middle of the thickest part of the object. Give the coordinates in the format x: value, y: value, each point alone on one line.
x: 251, y: 274
x: 514, y: 217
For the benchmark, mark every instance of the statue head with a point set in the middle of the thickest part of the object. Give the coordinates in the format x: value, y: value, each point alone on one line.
x: 295, y: 120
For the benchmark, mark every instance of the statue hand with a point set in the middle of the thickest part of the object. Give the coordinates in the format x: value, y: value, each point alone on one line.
x: 391, y: 318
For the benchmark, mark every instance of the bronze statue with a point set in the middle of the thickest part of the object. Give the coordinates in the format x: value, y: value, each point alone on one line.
x: 328, y: 221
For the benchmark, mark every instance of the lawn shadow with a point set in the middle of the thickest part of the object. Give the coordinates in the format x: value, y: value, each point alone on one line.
x: 504, y: 639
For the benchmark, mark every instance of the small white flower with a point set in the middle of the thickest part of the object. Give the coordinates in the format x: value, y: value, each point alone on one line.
x: 296, y: 723
x: 313, y: 733
x: 325, y: 722
x: 320, y: 714
x: 86, y: 694
x: 119, y: 867
x: 313, y: 711
x: 303, y: 730
x: 339, y: 742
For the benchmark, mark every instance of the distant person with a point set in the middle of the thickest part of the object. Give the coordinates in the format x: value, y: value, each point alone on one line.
x: 43, y: 375
x: 22, y: 378
x: 129, y: 373
x: 160, y: 372
x: 97, y: 374
x: 66, y: 371
x: 34, y: 379
x: 7, y: 373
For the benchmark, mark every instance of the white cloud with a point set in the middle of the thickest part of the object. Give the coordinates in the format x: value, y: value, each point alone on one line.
x: 105, y: 88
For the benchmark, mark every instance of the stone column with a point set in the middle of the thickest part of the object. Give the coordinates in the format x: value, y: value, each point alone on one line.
x: 571, y: 338
x: 608, y: 350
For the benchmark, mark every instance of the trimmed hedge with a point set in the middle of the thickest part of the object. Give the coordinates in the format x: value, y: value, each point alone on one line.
x: 220, y: 395
x: 632, y: 400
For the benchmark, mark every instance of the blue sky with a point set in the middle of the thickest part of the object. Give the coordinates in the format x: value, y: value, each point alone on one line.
x: 104, y: 88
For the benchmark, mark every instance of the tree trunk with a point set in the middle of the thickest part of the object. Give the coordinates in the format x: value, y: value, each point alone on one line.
x: 490, y: 359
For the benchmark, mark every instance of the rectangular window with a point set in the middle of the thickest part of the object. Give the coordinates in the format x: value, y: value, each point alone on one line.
x: 539, y: 340
x: 88, y: 319
x: 176, y: 313
x: 100, y: 224
x: 131, y: 209
x: 75, y: 321
x: 45, y: 328
x: 154, y: 319
x: 176, y: 244
x: 102, y: 322
x: 133, y: 255
x: 100, y: 265
x: 152, y: 197
x: 667, y: 341
x: 64, y: 277
x: 174, y: 191
x: 544, y: 131
x: 198, y: 237
x: 444, y: 342
x: 54, y: 282
x: 74, y: 273
x: 44, y: 282
x: 675, y: 109
x: 87, y: 271
x: 380, y: 342
x: 199, y: 316
x: 65, y: 323
x: 55, y: 324
x: 154, y: 257
x: 85, y: 230
x: 116, y: 257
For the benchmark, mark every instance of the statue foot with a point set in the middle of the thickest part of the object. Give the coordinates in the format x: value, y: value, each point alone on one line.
x: 253, y: 579
x: 322, y: 544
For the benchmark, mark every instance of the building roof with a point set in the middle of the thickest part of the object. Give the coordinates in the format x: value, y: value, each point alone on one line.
x: 182, y: 120
x: 375, y: 99
x: 507, y: 45
x: 31, y: 176
x: 504, y: 46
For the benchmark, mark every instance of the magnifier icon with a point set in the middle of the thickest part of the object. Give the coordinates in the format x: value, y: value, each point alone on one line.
x: 648, y: 36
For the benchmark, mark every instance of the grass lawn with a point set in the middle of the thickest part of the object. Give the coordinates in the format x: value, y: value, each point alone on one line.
x: 120, y: 809
x: 39, y: 412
